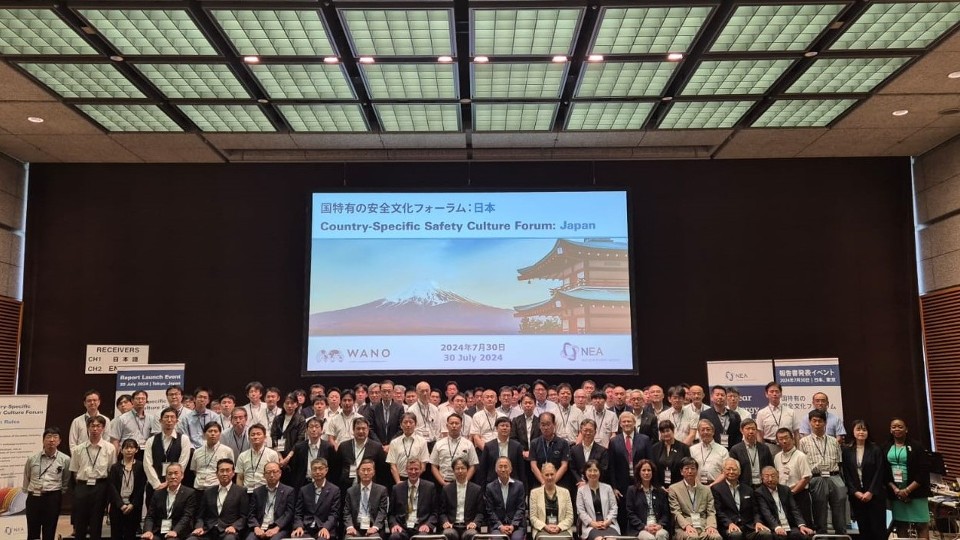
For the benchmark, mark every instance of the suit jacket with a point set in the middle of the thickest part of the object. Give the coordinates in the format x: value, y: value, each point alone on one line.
x: 671, y: 460
x: 727, y: 512
x: 490, y: 455
x: 538, y: 510
x: 682, y: 509
x: 519, y: 430
x: 872, y: 467
x: 295, y: 475
x: 284, y: 507
x: 314, y: 514
x: 648, y: 424
x: 181, y: 513
x: 378, y: 506
x: 586, y: 512
x: 620, y: 461
x: 382, y: 430
x: 233, y: 513
x: 637, y: 509
x: 426, y: 504
x: 115, y: 478
x: 473, y: 504
x: 347, y: 452
x: 578, y: 461
x: 733, y: 426
x: 295, y: 432
x: 512, y: 511
x: 763, y: 459
x: 768, y: 507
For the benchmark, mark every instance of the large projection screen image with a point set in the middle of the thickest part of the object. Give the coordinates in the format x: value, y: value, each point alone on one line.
x: 469, y: 282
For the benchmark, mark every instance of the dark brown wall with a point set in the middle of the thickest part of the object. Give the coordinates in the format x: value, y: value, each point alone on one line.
x: 733, y: 260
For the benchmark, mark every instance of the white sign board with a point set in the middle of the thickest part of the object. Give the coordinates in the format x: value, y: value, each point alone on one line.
x: 24, y: 419
x: 105, y: 359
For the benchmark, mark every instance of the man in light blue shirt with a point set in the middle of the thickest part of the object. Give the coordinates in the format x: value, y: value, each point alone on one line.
x: 834, y: 423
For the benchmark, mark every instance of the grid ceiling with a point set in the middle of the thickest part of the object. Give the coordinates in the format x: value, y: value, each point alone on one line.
x: 414, y: 66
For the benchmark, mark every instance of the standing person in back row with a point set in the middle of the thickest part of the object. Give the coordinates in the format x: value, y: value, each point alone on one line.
x: 90, y: 462
x: 775, y: 416
x: 78, y: 428
x: 46, y: 477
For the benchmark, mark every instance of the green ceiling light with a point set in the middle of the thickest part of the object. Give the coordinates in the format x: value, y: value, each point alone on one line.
x: 150, y: 31
x: 734, y: 77
x: 268, y: 32
x: 228, y: 118
x: 899, y: 26
x: 194, y: 81
x: 645, y: 30
x: 775, y: 28
x: 411, y: 81
x: 399, y: 32
x: 802, y: 112
x: 39, y: 31
x: 607, y: 115
x: 518, y: 80
x: 130, y: 117
x: 513, y: 116
x: 326, y: 118
x: 422, y: 117
x: 625, y: 79
x: 84, y: 80
x: 704, y: 114
x: 524, y: 31
x: 304, y: 81
x: 845, y: 75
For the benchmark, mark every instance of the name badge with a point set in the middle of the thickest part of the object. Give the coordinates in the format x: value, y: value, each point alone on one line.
x: 353, y: 471
x: 281, y: 445
x: 725, y: 440
x: 703, y: 477
x: 35, y: 493
x: 551, y: 520
x: 163, y: 468
x: 697, y: 521
x: 897, y: 474
x: 785, y: 476
x: 126, y: 500
x: 824, y: 474
x: 165, y: 526
x: 666, y: 476
x: 92, y: 482
x: 651, y: 520
x: 364, y: 522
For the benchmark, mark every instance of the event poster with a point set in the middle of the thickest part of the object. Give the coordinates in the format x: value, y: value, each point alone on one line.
x: 801, y: 378
x: 750, y: 377
x: 21, y: 435
x: 469, y: 281
x: 152, y: 378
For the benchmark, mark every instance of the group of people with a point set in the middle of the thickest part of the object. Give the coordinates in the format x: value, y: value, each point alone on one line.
x: 384, y: 461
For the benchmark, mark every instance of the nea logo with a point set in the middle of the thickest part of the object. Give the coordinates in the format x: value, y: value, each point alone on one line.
x: 572, y: 352
x: 735, y: 376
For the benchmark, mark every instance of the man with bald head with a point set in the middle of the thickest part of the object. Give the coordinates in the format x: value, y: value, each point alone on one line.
x: 428, y: 415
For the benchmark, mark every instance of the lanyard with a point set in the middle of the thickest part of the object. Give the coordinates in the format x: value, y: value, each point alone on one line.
x: 127, y: 478
x: 453, y: 452
x: 547, y: 450
x: 775, y: 419
x: 271, y: 499
x: 900, y: 456
x: 212, y: 453
x: 407, y: 450
x: 358, y: 454
x: 823, y: 452
x: 239, y: 443
x: 704, y: 457
x: 93, y: 461
x: 753, y: 458
x: 53, y: 460
x: 693, y: 498
x: 365, y: 500
x: 171, y: 501
x: 255, y: 468
x: 141, y: 424
x: 490, y: 420
x: 310, y: 451
x: 784, y: 454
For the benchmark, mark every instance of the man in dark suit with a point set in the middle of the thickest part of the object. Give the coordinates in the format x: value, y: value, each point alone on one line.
x: 778, y: 511
x: 625, y: 450
x: 525, y: 427
x: 223, y: 510
x: 505, y: 502
x: 414, y: 502
x: 502, y: 446
x: 357, y: 449
x: 304, y: 452
x: 586, y: 450
x: 384, y: 416
x: 366, y: 505
x: 272, y: 507
x: 183, y: 507
x: 317, y: 510
x: 737, y: 512
x: 752, y: 454
x: 726, y: 423
x: 461, y: 522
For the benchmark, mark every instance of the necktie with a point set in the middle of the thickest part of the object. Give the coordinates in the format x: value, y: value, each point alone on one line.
x: 411, y: 492
x: 220, y: 498
x: 629, y: 442
x: 316, y: 497
x: 365, y: 500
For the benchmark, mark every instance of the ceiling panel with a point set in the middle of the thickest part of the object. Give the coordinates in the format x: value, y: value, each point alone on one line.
x: 607, y: 115
x: 513, y: 116
x: 704, y: 114
x: 399, y: 117
x: 803, y: 112
x: 83, y: 80
x: 927, y: 76
x: 625, y: 79
x: 645, y: 30
x: 845, y: 75
x: 727, y: 77
x: 168, y: 147
x: 194, y: 81
x: 774, y: 143
x: 304, y: 81
x: 516, y: 80
x: 227, y: 118
x: 411, y: 81
x: 267, y: 32
x: 785, y: 27
x: 39, y: 31
x: 150, y: 31
x: 899, y: 26
x: 325, y: 118
x: 130, y: 117
x: 399, y: 32
x: 525, y: 32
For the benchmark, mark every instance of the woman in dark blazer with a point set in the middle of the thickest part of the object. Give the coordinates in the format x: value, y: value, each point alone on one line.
x: 289, y: 427
x: 907, y: 477
x: 127, y: 483
x: 864, y: 469
x: 638, y: 509
x: 666, y: 454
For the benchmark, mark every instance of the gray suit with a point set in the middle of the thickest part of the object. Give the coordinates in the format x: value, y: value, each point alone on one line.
x: 686, y: 504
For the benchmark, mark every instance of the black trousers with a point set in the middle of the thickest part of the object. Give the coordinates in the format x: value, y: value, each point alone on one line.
x: 124, y: 526
x: 42, y: 514
x: 90, y: 503
x: 871, y: 517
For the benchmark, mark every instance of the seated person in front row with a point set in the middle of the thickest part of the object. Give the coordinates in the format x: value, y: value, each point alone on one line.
x: 551, y: 509
x: 596, y: 505
x: 272, y: 507
x: 691, y: 504
x: 414, y: 504
x: 366, y: 505
x: 172, y: 509
x: 317, y: 513
x: 778, y: 511
x: 461, y: 503
x: 223, y: 509
x: 737, y: 512
x: 506, y: 503
x: 648, y: 507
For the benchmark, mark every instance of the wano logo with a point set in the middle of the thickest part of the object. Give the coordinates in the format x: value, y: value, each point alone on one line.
x: 573, y: 352
x: 333, y: 355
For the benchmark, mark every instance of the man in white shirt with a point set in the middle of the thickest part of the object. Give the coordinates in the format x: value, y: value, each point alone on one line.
x: 78, y: 428
x: 458, y: 406
x: 409, y: 445
x: 834, y: 423
x: 775, y: 416
x: 606, y: 420
x: 449, y: 448
x: 696, y: 395
x: 451, y: 390
x: 255, y: 407
x: 236, y: 437
x: 826, y: 485
x: 507, y: 406
x: 46, y: 477
x: 428, y: 417
x: 684, y: 420
x: 793, y: 471
x: 250, y: 463
x: 163, y: 449
x: 272, y: 399
x: 541, y: 403
x: 581, y: 399
x: 174, y: 395
x: 205, y: 458
x: 565, y: 411
x: 709, y: 455
x: 339, y: 427
x: 484, y: 428
x: 733, y: 403
x: 90, y: 461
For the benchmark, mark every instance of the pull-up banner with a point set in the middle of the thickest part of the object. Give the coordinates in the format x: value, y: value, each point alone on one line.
x: 21, y: 436
x: 153, y: 379
x: 801, y: 378
x: 749, y: 377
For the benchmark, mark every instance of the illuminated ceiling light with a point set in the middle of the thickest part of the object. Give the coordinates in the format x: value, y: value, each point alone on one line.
x: 675, y: 57
x: 481, y: 59
x: 366, y: 60
x: 595, y: 58
x: 116, y: 58
x: 666, y: 98
x: 331, y: 60
x: 263, y: 101
x: 251, y: 59
x: 810, y: 54
x: 445, y: 59
x: 35, y: 119
x: 559, y: 59
x: 900, y: 112
x: 954, y: 75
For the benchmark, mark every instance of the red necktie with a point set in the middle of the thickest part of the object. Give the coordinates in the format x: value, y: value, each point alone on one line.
x: 629, y: 443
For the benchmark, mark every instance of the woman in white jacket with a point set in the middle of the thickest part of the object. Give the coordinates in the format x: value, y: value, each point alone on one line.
x: 596, y: 505
x: 551, y: 509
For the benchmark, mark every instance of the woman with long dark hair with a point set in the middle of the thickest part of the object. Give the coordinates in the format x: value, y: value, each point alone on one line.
x: 907, y: 476
x: 648, y: 505
x: 863, y: 473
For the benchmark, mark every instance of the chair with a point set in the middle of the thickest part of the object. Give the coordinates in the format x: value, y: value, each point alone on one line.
x: 831, y: 537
